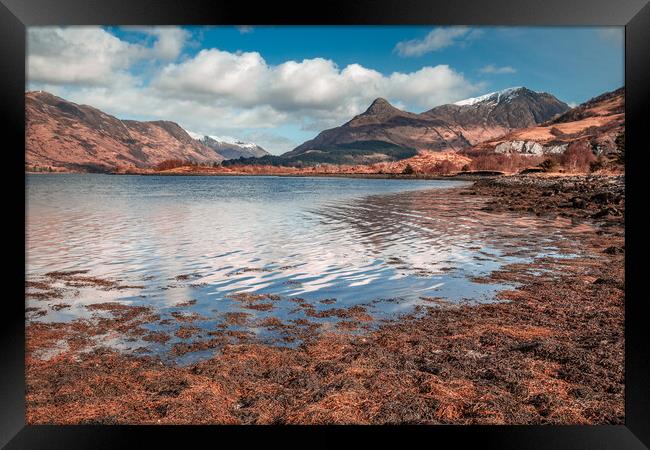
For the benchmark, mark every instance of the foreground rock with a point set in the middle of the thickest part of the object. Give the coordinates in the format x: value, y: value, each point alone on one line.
x: 600, y: 198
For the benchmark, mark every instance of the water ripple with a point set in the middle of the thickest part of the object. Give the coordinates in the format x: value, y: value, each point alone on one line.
x: 380, y: 243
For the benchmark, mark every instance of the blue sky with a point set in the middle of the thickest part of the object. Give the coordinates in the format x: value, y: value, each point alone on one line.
x: 279, y: 86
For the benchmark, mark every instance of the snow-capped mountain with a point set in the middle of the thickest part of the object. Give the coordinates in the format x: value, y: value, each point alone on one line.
x: 492, y: 97
x: 386, y: 133
x: 508, y: 109
x: 229, y: 147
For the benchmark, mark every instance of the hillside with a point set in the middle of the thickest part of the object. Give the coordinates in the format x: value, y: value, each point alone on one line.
x: 65, y: 136
x: 597, y: 122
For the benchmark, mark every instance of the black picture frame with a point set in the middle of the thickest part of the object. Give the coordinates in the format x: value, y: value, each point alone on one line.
x: 16, y: 15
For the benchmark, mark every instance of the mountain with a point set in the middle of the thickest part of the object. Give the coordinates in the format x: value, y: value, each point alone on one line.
x: 65, y: 136
x: 607, y: 104
x: 497, y: 113
x: 231, y: 148
x: 386, y: 133
x: 598, y: 122
x: 381, y: 133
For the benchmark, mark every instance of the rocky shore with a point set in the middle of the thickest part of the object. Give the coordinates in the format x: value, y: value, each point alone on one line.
x: 551, y: 352
x: 600, y: 198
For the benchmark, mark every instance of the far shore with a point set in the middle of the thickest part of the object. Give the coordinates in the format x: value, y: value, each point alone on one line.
x: 460, y: 176
x: 379, y: 176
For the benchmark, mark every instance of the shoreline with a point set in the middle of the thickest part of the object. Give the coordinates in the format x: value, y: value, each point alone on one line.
x: 551, y: 352
x: 285, y: 175
x: 384, y: 176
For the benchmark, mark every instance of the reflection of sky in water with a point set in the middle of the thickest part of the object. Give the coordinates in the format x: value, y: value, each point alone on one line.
x: 380, y: 243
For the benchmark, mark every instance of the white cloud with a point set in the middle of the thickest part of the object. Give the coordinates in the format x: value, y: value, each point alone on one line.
x: 435, y: 40
x: 92, y: 55
x: 430, y: 86
x: 495, y: 70
x: 313, y: 91
x: 79, y: 55
x: 169, y: 41
x: 221, y: 74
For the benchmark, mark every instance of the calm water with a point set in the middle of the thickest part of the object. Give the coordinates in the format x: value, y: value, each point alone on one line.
x: 384, y: 244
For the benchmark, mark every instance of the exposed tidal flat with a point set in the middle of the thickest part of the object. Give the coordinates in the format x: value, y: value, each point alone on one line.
x: 316, y: 300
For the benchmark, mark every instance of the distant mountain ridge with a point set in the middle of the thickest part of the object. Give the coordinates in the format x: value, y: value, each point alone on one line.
x: 386, y: 133
x: 62, y: 135
x: 382, y: 122
x: 66, y: 136
x: 508, y: 109
x: 232, y: 149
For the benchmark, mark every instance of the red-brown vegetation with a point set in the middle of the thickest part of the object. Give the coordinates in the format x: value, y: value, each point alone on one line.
x: 578, y: 157
x: 172, y: 164
x: 509, y: 163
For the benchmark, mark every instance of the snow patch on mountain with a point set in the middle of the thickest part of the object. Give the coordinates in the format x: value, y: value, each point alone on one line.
x: 193, y: 135
x: 229, y: 147
x: 492, y: 97
x: 222, y: 139
x: 233, y: 141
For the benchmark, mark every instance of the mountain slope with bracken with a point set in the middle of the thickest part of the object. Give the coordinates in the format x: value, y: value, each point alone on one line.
x: 596, y: 122
x: 65, y: 136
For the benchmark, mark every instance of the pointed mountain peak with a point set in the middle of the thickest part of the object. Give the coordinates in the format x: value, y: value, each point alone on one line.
x: 380, y: 101
x: 380, y: 110
x: 381, y: 106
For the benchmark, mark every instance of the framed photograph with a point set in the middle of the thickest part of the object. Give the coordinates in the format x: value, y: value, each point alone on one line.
x: 350, y: 218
